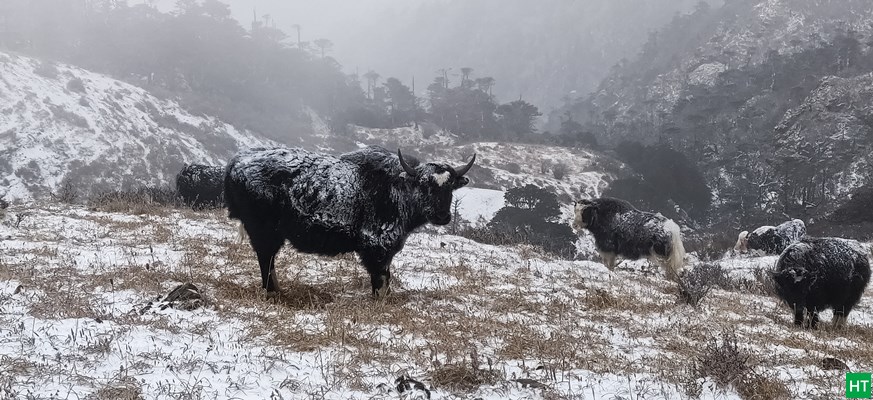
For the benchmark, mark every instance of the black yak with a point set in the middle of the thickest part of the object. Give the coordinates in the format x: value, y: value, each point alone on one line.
x: 819, y: 273
x: 620, y: 230
x: 201, y: 186
x: 771, y: 239
x: 366, y: 201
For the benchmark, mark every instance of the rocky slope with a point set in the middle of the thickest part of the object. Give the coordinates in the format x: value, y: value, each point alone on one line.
x: 826, y: 143
x: 741, y: 89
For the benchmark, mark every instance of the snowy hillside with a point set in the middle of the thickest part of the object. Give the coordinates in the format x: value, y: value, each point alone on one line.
x: 60, y: 122
x: 79, y: 295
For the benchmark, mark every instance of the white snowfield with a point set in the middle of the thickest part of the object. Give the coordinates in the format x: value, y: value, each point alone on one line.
x: 61, y: 122
x: 74, y: 284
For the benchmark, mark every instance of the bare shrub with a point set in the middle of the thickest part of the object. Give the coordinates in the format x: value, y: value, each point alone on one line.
x: 141, y: 200
x: 544, y: 166
x: 67, y: 192
x: 497, y: 237
x: 723, y: 360
x: 464, y: 377
x: 759, y: 386
x: 559, y: 170
x: 696, y: 283
x: 693, y: 287
x: 716, y: 276
x: 513, y: 168
x: 599, y: 299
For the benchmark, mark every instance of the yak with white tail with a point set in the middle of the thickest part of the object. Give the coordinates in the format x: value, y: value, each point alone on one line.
x: 620, y: 230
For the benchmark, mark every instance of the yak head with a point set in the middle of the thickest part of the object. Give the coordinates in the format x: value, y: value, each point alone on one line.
x: 436, y: 182
x: 586, y: 214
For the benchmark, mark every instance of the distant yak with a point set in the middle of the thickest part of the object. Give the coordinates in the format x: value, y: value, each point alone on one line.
x: 367, y: 201
x: 771, y: 239
x: 201, y: 186
x: 815, y: 274
x: 620, y: 230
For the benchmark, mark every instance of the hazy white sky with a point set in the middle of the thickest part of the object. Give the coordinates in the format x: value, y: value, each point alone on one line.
x: 341, y: 21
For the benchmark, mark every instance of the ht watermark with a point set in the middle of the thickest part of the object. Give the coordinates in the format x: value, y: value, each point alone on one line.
x: 858, y: 385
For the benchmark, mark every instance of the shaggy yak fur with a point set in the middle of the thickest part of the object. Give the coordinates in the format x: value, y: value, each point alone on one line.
x: 366, y: 201
x: 819, y: 273
x: 620, y: 230
x: 201, y: 186
x: 771, y: 239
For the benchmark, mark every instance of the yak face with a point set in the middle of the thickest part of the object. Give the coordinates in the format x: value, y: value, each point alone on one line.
x: 436, y: 183
x: 586, y: 214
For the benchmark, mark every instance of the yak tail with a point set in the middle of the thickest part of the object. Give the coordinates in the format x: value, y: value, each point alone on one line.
x: 241, y: 234
x: 676, y: 259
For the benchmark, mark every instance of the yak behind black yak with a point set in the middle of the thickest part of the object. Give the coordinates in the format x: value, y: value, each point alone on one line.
x: 771, y: 239
x: 201, y: 186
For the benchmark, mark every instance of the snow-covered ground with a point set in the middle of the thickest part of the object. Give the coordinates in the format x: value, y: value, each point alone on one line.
x: 468, y: 320
x: 479, y: 205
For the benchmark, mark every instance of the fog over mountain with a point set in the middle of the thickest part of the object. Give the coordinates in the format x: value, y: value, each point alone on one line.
x: 539, y: 51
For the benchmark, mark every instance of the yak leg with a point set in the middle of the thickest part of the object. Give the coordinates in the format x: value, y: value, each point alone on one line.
x: 840, y: 315
x: 799, y: 311
x: 266, y: 247
x: 378, y: 264
x: 813, y: 317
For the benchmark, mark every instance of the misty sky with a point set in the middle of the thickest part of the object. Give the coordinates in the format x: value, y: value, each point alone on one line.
x: 541, y: 54
x: 341, y: 21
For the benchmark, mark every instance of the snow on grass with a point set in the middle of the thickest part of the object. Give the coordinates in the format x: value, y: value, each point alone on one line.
x: 468, y: 320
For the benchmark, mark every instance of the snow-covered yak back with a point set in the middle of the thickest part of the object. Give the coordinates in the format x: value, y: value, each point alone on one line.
x: 366, y: 201
x: 620, y: 230
x: 771, y: 239
x: 819, y: 273
x: 201, y: 186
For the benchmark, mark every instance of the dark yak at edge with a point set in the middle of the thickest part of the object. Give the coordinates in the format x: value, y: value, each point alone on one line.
x: 819, y: 273
x: 201, y: 186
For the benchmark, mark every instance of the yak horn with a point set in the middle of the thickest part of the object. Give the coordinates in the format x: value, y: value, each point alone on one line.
x: 409, y: 170
x: 463, y: 170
